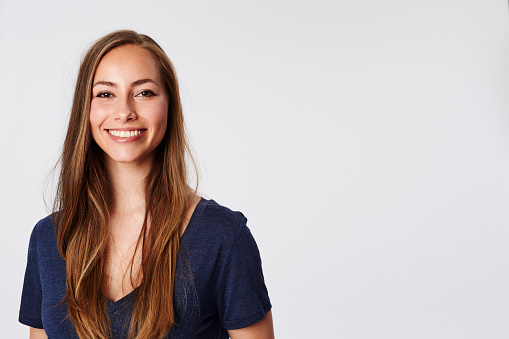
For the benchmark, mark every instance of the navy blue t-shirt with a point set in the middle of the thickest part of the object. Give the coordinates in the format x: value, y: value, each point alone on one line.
x: 219, y: 283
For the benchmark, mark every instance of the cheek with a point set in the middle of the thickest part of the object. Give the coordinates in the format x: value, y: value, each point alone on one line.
x: 96, y: 117
x: 160, y: 119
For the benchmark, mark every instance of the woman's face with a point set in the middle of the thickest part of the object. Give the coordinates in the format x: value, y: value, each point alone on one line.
x: 129, y: 108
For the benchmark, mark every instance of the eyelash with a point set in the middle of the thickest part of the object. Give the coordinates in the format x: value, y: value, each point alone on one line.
x: 104, y: 95
x: 146, y: 94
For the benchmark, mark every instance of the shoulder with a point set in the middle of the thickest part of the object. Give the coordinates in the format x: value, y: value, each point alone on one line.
x: 44, y: 230
x: 222, y: 218
x: 43, y: 238
x: 45, y: 224
x: 214, y: 225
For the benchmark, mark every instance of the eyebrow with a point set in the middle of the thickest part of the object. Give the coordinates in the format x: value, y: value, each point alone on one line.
x: 134, y: 84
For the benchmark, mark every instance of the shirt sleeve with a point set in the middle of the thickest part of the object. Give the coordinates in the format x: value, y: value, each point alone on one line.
x: 241, y: 294
x: 31, y: 298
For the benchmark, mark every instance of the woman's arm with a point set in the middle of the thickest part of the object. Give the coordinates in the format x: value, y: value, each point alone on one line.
x: 263, y: 329
x: 37, y: 333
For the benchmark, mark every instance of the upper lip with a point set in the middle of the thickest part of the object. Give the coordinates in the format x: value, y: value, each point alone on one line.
x: 125, y: 129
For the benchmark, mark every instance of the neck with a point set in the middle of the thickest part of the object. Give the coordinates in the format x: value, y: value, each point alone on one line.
x: 128, y: 182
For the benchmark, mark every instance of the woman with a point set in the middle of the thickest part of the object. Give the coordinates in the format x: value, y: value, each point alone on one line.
x: 131, y: 251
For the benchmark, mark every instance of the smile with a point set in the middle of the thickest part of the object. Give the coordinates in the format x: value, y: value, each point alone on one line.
x: 125, y: 134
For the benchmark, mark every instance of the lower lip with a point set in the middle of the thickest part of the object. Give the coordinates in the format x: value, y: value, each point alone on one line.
x: 128, y: 139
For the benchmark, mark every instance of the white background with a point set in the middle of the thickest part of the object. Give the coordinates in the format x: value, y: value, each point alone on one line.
x: 366, y: 141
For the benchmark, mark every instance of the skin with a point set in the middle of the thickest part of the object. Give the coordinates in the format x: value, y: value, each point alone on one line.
x: 128, y: 92
x: 37, y: 333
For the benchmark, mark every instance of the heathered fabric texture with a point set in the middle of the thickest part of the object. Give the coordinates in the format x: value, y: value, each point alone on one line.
x: 219, y: 283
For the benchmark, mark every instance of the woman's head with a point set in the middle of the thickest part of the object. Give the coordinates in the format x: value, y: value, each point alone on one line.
x: 81, y: 133
x: 129, y: 106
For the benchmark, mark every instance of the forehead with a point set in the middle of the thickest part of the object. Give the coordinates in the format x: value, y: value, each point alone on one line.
x: 128, y: 63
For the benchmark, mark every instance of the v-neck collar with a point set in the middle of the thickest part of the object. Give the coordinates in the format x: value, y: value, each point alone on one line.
x: 198, y: 210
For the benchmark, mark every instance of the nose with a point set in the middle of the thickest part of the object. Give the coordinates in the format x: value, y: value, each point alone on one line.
x: 125, y: 111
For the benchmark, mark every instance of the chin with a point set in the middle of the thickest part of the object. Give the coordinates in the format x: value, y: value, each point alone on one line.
x: 131, y: 158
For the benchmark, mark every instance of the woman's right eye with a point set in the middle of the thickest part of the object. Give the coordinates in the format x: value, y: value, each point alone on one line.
x: 104, y: 95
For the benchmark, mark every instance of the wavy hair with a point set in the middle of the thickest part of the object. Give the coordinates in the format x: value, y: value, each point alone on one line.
x: 83, y: 200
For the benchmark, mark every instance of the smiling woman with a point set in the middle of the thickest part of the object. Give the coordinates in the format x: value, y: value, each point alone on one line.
x: 131, y: 250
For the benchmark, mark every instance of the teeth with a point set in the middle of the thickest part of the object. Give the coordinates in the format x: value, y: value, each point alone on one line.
x: 125, y: 134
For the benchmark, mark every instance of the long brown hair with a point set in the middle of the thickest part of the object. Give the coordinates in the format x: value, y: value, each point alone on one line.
x: 83, y: 200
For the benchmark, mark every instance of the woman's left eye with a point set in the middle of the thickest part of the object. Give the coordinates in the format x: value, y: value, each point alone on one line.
x: 146, y: 94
